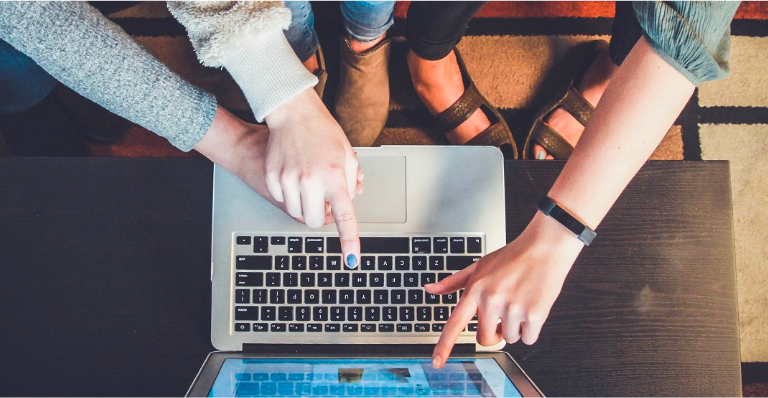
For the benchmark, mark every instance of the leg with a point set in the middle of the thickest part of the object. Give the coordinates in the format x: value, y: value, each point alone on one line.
x: 362, y: 100
x: 23, y: 82
x: 432, y: 30
x: 301, y: 34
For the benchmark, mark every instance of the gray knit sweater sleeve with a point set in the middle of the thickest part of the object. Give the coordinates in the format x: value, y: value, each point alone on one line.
x: 81, y: 48
x: 692, y: 36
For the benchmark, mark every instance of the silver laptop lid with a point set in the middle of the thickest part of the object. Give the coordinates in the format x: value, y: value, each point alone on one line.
x: 409, y: 191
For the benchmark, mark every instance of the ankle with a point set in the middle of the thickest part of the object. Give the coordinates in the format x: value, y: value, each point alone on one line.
x: 360, y: 47
x: 312, y: 64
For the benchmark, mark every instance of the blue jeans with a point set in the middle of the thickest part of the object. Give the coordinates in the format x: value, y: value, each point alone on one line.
x: 23, y: 83
x: 364, y: 21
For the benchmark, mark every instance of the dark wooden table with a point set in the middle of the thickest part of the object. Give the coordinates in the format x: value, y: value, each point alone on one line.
x: 104, y: 281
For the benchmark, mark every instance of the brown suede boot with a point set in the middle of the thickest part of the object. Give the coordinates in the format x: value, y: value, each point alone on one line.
x: 322, y: 75
x: 362, y: 100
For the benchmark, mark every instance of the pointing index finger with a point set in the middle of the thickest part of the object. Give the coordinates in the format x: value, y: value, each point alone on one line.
x: 460, y: 317
x: 346, y: 223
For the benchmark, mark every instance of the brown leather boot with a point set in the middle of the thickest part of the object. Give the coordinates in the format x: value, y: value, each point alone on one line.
x: 322, y: 74
x: 362, y: 100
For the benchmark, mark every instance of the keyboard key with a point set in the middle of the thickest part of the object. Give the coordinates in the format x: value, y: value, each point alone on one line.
x: 324, y: 279
x: 260, y: 248
x: 377, y: 280
x: 315, y: 327
x: 398, y: 296
x: 421, y: 245
x: 372, y: 314
x: 299, y: 263
x: 307, y: 279
x: 363, y: 296
x: 242, y: 327
x: 402, y: 263
x: 296, y: 327
x: 333, y: 263
x: 385, y: 263
x: 450, y: 298
x: 329, y: 296
x: 290, y: 279
x: 349, y: 327
x: 243, y: 240
x: 367, y: 263
x: 437, y: 327
x: 285, y: 313
x: 424, y: 313
x: 253, y: 262
x: 394, y: 280
x: 436, y: 263
x: 457, y: 263
x: 311, y: 296
x: 273, y: 279
x: 431, y: 299
x: 474, y: 245
x: 281, y: 263
x: 406, y: 313
x: 278, y: 240
x: 242, y: 296
x: 259, y: 296
x: 342, y: 279
x: 374, y: 245
x: 415, y: 296
x: 421, y: 327
x: 359, y: 279
x: 294, y: 296
x: 260, y: 327
x: 441, y: 313
x: 249, y: 279
x: 428, y: 277
x: 303, y: 314
x: 386, y: 327
x: 277, y: 327
x: 346, y: 296
x: 277, y: 296
x: 246, y: 313
x: 389, y: 314
x: 294, y: 244
x: 268, y: 313
x: 441, y: 245
x: 472, y: 327
x: 457, y: 245
x: 404, y: 327
x: 355, y: 314
x: 411, y: 279
x: 419, y: 263
x: 313, y: 245
x: 316, y: 263
x: 443, y: 275
x: 368, y: 327
x: 337, y: 314
x: 320, y: 314
x: 381, y: 296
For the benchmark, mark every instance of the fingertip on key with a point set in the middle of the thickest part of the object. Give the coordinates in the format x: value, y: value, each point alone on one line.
x: 352, y: 261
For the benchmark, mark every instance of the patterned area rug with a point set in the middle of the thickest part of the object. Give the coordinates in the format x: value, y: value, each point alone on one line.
x: 509, y: 47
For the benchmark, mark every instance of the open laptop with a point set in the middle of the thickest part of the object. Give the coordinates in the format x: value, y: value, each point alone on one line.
x: 294, y: 321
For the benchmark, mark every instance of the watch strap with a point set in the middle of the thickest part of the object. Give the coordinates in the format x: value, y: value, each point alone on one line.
x: 571, y: 223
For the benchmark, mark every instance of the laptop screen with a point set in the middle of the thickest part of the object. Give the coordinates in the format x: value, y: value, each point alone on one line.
x: 481, y: 377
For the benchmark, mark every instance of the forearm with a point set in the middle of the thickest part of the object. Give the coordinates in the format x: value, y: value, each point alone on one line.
x: 638, y: 107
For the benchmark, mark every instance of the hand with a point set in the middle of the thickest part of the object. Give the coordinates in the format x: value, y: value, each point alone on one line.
x: 311, y: 167
x: 517, y: 284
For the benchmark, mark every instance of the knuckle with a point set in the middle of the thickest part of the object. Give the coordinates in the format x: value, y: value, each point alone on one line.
x: 345, y: 217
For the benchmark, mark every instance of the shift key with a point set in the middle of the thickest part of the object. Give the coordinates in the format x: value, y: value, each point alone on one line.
x: 253, y: 262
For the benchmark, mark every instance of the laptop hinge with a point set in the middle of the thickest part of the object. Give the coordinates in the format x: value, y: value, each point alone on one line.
x: 415, y: 349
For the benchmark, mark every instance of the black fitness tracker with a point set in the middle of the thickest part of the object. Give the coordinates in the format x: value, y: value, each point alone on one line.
x: 551, y: 209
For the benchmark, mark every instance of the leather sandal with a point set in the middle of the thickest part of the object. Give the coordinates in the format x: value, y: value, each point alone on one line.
x: 497, y: 134
x: 564, y: 95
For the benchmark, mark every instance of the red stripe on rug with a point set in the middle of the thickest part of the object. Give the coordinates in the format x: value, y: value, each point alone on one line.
x: 141, y: 143
x: 752, y: 10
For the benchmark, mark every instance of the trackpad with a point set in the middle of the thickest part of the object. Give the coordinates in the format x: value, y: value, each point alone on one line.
x: 383, y: 199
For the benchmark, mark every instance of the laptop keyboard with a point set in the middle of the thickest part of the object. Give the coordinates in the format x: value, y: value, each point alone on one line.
x: 300, y: 284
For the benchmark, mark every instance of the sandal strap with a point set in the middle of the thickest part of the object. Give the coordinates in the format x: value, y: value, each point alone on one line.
x: 578, y: 106
x: 495, y: 135
x: 552, y: 142
x: 459, y: 111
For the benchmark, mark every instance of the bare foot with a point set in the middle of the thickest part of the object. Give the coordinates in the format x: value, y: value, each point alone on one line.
x: 439, y: 85
x: 592, y: 86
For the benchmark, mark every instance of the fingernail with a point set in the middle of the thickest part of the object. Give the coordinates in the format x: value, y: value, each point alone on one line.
x: 352, y: 261
x: 541, y: 155
x: 436, y: 361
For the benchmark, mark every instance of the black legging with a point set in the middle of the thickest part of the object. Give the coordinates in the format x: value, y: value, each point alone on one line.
x: 433, y: 28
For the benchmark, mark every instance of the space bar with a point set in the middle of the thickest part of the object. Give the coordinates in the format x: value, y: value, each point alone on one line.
x: 374, y: 245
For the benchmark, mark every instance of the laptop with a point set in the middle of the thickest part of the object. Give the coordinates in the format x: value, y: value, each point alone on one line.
x: 290, y: 319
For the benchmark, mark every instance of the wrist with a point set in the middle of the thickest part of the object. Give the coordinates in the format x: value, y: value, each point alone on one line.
x: 293, y: 109
x: 551, y: 233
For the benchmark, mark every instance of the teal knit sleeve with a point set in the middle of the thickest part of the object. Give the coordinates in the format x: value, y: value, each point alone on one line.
x: 694, y: 37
